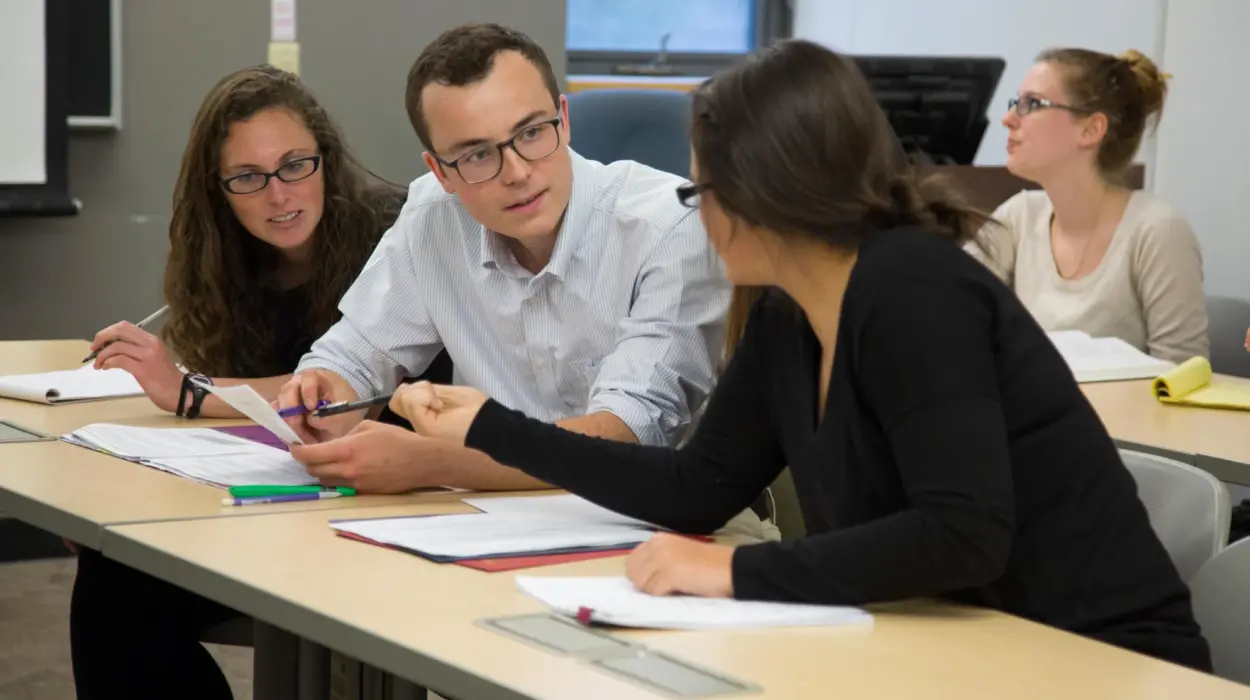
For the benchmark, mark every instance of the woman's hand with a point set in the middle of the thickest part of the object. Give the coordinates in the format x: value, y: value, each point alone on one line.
x: 438, y: 411
x: 670, y: 564
x: 143, y: 355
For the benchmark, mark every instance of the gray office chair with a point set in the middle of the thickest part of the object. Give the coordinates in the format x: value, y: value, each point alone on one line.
x: 1221, y: 602
x: 1227, y: 321
x: 649, y: 126
x: 1188, y: 508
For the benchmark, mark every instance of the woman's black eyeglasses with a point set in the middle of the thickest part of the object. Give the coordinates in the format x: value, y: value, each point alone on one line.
x: 1027, y: 104
x: 290, y: 171
x: 688, y: 194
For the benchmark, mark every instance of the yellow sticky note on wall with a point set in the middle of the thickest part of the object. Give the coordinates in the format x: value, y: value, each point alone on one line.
x: 284, y: 55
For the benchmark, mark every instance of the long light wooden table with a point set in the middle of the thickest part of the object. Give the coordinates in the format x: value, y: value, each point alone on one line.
x: 75, y: 492
x: 420, y: 621
x: 1215, y: 440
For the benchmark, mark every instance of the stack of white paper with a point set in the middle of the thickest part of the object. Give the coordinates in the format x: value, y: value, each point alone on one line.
x: 1105, y: 359
x: 568, y: 507
x: 82, y: 384
x: 202, y: 454
x: 613, y: 600
x: 481, y: 535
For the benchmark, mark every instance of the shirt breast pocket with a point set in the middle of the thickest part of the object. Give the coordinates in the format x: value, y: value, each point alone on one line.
x: 576, y: 378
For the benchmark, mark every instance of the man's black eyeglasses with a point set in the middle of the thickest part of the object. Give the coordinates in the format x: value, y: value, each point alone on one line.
x: 533, y: 142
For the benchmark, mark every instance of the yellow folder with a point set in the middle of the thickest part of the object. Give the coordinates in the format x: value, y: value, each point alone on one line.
x: 1189, y: 384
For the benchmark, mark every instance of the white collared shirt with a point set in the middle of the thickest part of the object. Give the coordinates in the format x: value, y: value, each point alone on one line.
x: 627, y: 317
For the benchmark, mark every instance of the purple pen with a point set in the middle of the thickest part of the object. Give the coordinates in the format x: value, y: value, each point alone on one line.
x: 280, y: 498
x: 290, y: 411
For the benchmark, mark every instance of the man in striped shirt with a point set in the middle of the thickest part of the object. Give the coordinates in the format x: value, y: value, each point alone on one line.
x: 579, y: 293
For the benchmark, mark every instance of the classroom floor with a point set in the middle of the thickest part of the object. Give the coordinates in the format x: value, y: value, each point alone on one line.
x: 34, y: 634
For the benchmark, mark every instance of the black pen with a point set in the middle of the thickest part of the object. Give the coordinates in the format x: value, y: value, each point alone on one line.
x: 348, y: 406
x: 142, y: 324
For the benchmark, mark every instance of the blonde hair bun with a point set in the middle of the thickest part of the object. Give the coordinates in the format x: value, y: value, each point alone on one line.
x: 1153, y: 82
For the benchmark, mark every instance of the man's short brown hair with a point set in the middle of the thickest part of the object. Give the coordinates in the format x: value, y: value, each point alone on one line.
x: 464, y: 55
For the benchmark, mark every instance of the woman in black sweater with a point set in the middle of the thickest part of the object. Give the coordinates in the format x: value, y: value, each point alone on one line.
x: 939, y: 444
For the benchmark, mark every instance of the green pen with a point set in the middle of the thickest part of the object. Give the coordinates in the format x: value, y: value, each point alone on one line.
x: 262, y: 490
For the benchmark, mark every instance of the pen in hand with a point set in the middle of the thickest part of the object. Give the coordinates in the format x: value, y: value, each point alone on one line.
x: 335, y: 409
x: 325, y: 408
x: 156, y: 316
x: 300, y: 410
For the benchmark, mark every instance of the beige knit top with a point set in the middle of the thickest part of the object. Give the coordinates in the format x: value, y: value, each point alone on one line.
x: 1147, y: 290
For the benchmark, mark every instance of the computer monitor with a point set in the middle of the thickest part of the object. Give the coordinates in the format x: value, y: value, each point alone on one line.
x: 936, y: 104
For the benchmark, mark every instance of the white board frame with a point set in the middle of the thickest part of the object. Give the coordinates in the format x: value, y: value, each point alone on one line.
x: 114, y: 119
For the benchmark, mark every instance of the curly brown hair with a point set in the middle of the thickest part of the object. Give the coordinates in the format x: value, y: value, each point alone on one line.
x: 217, y: 271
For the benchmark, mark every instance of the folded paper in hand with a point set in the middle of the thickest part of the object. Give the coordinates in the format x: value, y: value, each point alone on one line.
x: 201, y: 454
x: 613, y: 600
x: 245, y: 400
x: 83, y: 384
x: 1105, y: 359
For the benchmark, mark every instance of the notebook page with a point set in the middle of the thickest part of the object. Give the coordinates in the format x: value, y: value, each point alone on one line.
x: 245, y: 400
x: 80, y: 384
x: 1105, y: 359
x: 483, y: 534
x: 564, y: 507
x: 157, y: 443
x: 614, y: 600
x: 272, y: 467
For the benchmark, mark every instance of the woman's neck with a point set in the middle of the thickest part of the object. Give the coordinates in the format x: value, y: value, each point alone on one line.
x: 1080, y: 199
x: 295, y: 266
x: 816, y: 276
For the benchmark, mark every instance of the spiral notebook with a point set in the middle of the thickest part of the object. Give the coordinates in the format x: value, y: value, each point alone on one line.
x: 83, y: 384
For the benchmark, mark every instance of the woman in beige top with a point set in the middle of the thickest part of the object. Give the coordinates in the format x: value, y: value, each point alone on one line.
x: 1086, y: 253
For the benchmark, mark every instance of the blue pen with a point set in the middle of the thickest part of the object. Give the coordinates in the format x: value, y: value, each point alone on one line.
x: 300, y: 410
x: 281, y: 498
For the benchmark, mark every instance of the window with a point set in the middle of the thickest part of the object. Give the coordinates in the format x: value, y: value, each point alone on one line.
x: 669, y: 37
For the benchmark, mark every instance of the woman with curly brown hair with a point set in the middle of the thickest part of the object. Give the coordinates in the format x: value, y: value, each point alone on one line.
x: 273, y: 219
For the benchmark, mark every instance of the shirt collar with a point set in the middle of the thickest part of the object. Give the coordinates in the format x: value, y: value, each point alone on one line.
x: 494, y: 252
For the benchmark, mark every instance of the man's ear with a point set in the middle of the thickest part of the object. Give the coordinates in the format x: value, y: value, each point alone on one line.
x: 437, y: 168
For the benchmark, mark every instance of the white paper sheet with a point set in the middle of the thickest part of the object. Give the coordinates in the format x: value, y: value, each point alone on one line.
x: 485, y: 534
x: 82, y: 384
x: 245, y: 400
x: 1105, y: 359
x: 614, y: 600
x: 563, y: 507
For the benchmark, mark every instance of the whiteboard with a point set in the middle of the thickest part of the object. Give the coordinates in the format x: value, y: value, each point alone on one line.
x: 23, y: 120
